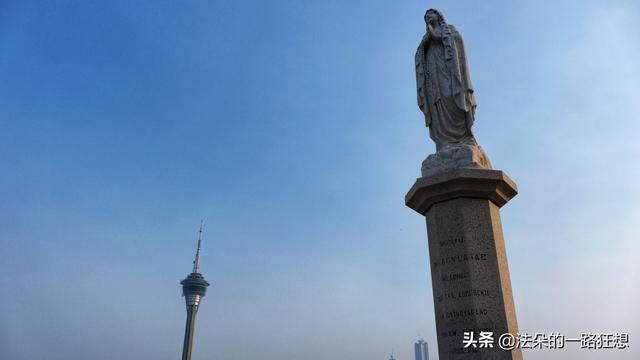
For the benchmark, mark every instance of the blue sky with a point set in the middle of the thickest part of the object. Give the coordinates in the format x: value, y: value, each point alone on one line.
x: 291, y: 128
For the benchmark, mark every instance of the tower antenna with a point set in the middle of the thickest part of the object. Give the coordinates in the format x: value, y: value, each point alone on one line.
x: 196, y: 262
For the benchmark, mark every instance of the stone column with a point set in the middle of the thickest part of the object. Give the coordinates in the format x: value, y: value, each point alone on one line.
x: 469, y: 272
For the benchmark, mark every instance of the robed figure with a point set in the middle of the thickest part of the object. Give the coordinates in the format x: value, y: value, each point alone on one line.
x: 445, y: 93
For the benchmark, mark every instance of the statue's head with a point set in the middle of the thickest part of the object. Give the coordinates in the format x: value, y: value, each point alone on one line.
x: 433, y: 16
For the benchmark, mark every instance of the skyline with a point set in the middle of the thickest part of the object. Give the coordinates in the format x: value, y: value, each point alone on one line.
x: 292, y: 129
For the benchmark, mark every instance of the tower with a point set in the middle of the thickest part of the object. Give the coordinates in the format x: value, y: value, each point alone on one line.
x: 422, y: 350
x: 193, y: 289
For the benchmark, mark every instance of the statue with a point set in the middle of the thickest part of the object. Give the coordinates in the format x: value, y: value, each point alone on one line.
x: 445, y: 97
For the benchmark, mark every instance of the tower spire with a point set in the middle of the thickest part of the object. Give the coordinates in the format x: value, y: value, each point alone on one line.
x: 196, y: 262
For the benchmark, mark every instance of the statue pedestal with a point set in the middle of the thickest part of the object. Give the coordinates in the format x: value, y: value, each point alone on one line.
x: 469, y: 272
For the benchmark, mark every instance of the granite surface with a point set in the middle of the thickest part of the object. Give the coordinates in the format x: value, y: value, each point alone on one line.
x: 469, y: 271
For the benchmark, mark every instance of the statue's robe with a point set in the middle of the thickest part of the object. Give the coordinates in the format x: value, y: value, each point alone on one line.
x: 445, y: 93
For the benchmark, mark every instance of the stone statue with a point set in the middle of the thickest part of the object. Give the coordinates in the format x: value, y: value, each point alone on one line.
x: 445, y: 96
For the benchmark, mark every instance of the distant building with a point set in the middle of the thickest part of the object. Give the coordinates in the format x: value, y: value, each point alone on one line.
x: 422, y: 350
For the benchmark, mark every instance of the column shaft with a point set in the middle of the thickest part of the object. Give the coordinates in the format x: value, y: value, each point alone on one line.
x: 189, y: 331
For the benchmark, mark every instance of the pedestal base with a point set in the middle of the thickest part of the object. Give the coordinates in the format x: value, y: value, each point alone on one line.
x: 469, y: 272
x: 468, y: 156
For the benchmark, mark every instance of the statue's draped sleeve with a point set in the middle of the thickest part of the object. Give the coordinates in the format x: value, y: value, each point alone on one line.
x: 421, y: 80
x: 456, y: 58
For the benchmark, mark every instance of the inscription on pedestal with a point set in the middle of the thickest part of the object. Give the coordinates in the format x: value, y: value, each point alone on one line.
x: 466, y: 275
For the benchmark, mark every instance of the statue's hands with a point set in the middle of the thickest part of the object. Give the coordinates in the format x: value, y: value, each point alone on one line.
x: 427, y: 37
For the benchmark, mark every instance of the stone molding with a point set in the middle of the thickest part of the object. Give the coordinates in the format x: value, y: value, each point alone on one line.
x: 493, y: 185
